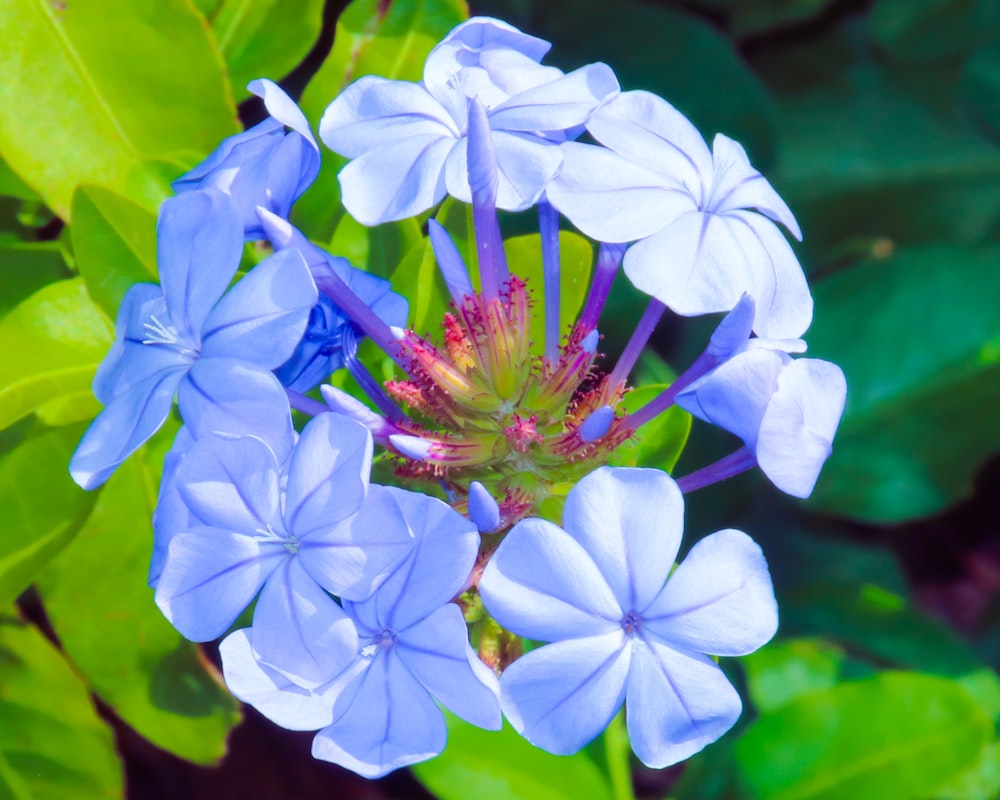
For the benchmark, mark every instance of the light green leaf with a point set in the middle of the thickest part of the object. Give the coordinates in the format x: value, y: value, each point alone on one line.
x: 372, y: 37
x: 52, y: 743
x: 500, y: 765
x: 13, y: 186
x: 91, y: 87
x: 894, y: 735
x: 784, y: 670
x: 43, y: 508
x: 52, y: 343
x: 918, y: 337
x: 264, y: 38
x: 115, y: 244
x: 379, y: 249
x: 419, y: 280
x: 981, y: 781
x: 131, y: 657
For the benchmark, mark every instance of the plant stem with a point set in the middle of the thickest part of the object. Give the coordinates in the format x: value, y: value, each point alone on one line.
x: 617, y: 752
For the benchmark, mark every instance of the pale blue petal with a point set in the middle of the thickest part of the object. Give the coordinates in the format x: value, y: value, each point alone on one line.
x: 676, y: 703
x: 262, y: 318
x: 282, y: 108
x: 209, y: 578
x: 219, y: 170
x: 541, y: 583
x: 123, y: 427
x: 733, y: 334
x: 328, y: 474
x: 392, y: 722
x: 719, y: 600
x: 436, y: 650
x: 707, y: 271
x: 737, y: 185
x: 353, y: 558
x: 525, y: 165
x: 232, y: 484
x: 557, y: 105
x: 396, y: 180
x: 232, y: 397
x: 171, y: 515
x: 374, y: 113
x: 129, y: 361
x: 560, y: 696
x: 648, y: 130
x: 735, y: 395
x: 271, y: 693
x: 612, y: 199
x: 445, y: 545
x: 784, y: 303
x: 291, y: 168
x: 630, y: 522
x: 199, y: 239
x: 299, y: 630
x: 797, y: 429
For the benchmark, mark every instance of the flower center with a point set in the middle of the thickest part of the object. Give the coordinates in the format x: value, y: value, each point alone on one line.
x: 630, y: 622
x: 383, y: 640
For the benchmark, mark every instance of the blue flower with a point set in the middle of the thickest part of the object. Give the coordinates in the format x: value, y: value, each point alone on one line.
x: 413, y: 649
x: 190, y: 327
x: 622, y: 627
x: 407, y: 141
x: 785, y: 410
x: 710, y: 211
x: 264, y: 166
x: 291, y: 529
x: 331, y: 338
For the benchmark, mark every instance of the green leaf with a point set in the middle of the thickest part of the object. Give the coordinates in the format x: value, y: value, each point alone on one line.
x: 372, y: 37
x: 26, y: 267
x: 52, y: 743
x: 576, y: 258
x: 379, y: 249
x: 13, y: 186
x: 264, y: 38
x: 980, y: 87
x: 52, y: 343
x: 130, y: 656
x: 43, y: 508
x: 894, y: 735
x: 749, y: 17
x: 115, y: 244
x: 931, y: 29
x: 500, y: 765
x: 784, y: 670
x: 918, y: 337
x: 419, y: 280
x: 117, y: 87
x: 981, y: 781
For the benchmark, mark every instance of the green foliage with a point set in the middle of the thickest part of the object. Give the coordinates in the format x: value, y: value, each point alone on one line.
x: 52, y: 743
x: 86, y: 117
x: 912, y: 436
x: 500, y: 765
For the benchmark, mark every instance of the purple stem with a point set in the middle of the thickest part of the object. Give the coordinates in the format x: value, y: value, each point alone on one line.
x: 333, y: 286
x: 370, y: 386
x: 482, y: 161
x: 640, y: 336
x: 702, y: 365
x: 739, y: 461
x: 306, y: 405
x: 608, y: 260
x: 548, y: 226
x: 456, y: 275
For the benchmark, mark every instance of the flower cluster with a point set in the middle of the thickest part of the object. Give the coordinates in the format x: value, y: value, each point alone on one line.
x: 373, y: 604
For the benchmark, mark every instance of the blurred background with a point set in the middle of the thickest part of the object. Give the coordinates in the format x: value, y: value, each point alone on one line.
x: 878, y: 121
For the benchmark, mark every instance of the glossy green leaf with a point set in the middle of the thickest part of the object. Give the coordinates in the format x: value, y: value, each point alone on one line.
x: 981, y: 781
x: 43, y: 508
x: 52, y: 343
x: 52, y: 743
x: 500, y: 765
x: 378, y: 250
x: 894, y: 735
x: 264, y: 38
x: 784, y: 670
x: 13, y: 186
x: 931, y: 29
x: 980, y: 87
x: 419, y: 280
x: 91, y: 87
x: 576, y: 258
x: 26, y: 267
x: 918, y: 337
x: 130, y: 656
x: 372, y: 37
x: 114, y: 241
